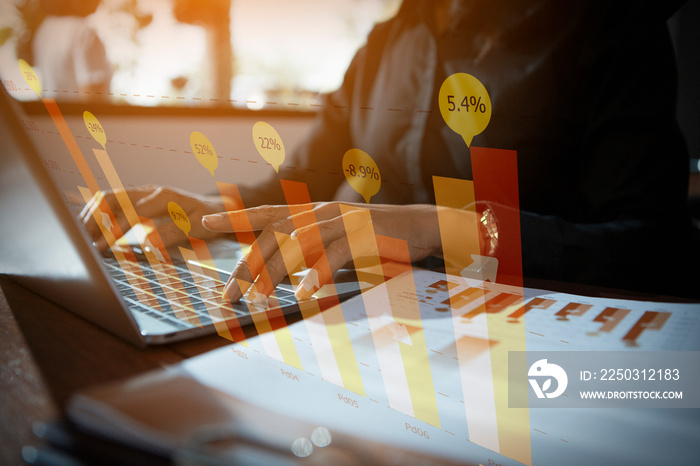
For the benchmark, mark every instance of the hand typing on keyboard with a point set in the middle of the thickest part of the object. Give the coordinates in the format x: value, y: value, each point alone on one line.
x: 151, y: 202
x: 323, y: 236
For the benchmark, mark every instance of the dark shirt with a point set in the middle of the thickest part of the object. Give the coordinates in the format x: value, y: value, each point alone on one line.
x: 583, y: 91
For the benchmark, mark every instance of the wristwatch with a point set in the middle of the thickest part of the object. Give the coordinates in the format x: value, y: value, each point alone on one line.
x: 489, y: 231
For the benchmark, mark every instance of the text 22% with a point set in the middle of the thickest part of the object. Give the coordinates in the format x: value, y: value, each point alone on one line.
x: 269, y: 143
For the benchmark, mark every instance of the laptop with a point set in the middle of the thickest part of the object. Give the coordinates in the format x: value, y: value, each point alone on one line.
x: 44, y: 247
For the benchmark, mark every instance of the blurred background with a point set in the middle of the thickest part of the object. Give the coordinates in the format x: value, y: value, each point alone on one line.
x: 263, y: 55
x: 191, y: 52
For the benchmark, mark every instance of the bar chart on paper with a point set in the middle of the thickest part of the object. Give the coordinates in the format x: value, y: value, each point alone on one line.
x: 443, y: 418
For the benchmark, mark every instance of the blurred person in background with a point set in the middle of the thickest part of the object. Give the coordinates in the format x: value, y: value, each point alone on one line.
x: 64, y: 50
x: 584, y: 91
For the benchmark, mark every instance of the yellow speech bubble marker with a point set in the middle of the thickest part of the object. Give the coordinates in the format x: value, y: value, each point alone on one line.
x: 465, y: 105
x: 30, y: 76
x: 269, y: 144
x: 95, y: 128
x: 362, y: 173
x: 178, y: 215
x: 203, y: 149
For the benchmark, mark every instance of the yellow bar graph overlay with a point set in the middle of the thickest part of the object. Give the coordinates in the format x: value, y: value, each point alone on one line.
x: 402, y: 353
x: 491, y: 423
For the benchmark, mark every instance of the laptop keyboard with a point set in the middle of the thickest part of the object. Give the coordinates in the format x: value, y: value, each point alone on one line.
x: 176, y: 295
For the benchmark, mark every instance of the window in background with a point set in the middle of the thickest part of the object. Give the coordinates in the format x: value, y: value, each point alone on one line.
x: 282, y: 54
x: 273, y: 54
x: 289, y: 52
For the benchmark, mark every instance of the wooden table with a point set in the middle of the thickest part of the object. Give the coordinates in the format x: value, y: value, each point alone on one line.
x: 48, y: 353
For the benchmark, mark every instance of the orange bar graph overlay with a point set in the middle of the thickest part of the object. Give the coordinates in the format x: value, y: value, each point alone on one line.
x: 328, y: 329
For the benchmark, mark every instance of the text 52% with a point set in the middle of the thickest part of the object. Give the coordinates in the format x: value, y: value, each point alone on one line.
x: 466, y: 103
x: 203, y: 149
x: 363, y: 172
